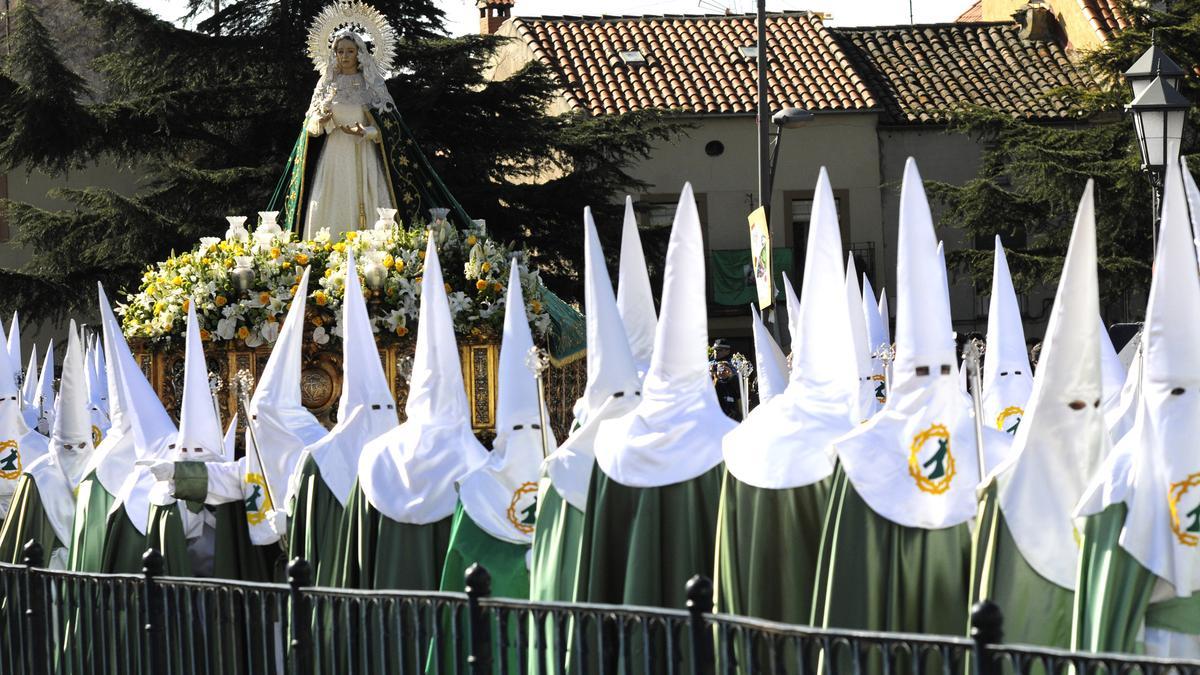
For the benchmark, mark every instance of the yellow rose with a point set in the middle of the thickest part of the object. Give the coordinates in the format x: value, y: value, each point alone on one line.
x: 286, y: 265
x: 481, y: 285
x: 159, y: 307
x: 536, y: 306
x: 204, y: 335
x: 351, y: 235
x: 178, y: 281
x: 487, y: 266
x: 339, y: 247
x: 399, y: 265
x: 389, y: 261
x: 264, y: 298
x: 401, y: 331
x: 497, y: 286
x: 421, y: 254
x: 319, y: 298
x: 274, y: 251
x: 328, y: 273
x: 243, y: 333
x: 187, y: 302
x: 220, y: 301
x: 471, y: 240
x: 318, y: 321
x: 301, y: 259
x: 293, y: 290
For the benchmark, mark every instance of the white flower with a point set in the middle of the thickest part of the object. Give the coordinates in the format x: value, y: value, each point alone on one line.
x: 459, y: 302
x: 319, y: 335
x: 322, y: 237
x: 254, y: 340
x: 226, y: 328
x: 270, y: 331
x: 206, y: 243
x: 395, y: 319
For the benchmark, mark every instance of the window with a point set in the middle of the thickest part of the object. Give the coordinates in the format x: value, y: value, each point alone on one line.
x: 799, y: 214
x: 749, y: 52
x: 4, y: 234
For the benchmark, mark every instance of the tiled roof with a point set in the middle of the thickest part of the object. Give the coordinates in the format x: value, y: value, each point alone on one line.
x: 1105, y: 16
x: 919, y: 72
x: 972, y: 13
x: 693, y: 63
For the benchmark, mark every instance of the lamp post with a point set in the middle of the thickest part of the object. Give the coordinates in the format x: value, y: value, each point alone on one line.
x: 1158, y: 111
x: 788, y: 118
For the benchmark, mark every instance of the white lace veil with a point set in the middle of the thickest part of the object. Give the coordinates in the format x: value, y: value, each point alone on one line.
x: 378, y: 96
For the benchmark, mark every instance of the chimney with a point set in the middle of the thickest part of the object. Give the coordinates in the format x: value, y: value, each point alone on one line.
x: 1038, y: 23
x: 492, y: 13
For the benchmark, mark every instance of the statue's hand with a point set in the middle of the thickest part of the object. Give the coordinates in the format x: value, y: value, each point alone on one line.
x: 355, y: 130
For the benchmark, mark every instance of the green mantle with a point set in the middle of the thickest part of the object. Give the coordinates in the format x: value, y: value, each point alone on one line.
x: 1001, y: 574
x: 27, y: 520
x: 767, y: 550
x: 316, y: 518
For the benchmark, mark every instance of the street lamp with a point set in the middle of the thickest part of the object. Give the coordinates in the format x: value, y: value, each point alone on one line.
x: 788, y: 118
x: 1158, y: 113
x: 1153, y: 63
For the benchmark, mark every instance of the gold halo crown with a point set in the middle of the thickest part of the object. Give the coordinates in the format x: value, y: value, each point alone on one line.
x: 363, y: 19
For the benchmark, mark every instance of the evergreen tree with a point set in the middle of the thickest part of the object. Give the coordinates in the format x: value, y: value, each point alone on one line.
x: 1032, y: 174
x: 211, y: 115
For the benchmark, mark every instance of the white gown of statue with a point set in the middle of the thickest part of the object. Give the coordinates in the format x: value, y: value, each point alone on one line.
x: 350, y: 181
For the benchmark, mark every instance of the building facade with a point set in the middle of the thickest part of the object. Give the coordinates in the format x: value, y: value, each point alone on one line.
x: 878, y: 95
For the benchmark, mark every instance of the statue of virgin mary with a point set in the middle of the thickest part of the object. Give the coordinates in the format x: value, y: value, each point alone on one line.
x: 355, y: 154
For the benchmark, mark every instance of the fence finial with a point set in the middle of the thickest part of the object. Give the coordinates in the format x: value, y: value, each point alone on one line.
x: 478, y: 581
x: 699, y: 594
x: 700, y: 602
x: 299, y: 573
x: 987, y: 623
x: 32, y: 554
x: 152, y: 563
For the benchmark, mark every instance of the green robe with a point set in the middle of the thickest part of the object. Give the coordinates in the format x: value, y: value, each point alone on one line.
x: 316, y: 518
x: 882, y: 576
x: 557, y: 537
x: 505, y: 563
x: 88, y: 535
x: 376, y: 552
x: 767, y: 550
x: 640, y: 546
x: 27, y: 520
x: 1112, y: 602
x: 1041, y: 609
x: 124, y: 544
x: 555, y: 572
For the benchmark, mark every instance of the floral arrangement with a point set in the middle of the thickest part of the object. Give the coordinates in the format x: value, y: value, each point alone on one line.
x: 243, y: 284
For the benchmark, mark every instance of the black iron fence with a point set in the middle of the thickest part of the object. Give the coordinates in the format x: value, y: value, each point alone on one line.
x: 55, y: 622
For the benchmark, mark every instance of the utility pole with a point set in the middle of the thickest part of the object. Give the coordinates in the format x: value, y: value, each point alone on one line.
x: 764, y: 114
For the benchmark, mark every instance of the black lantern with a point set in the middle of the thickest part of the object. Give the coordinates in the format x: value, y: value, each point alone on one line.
x: 1151, y: 64
x: 1158, y: 116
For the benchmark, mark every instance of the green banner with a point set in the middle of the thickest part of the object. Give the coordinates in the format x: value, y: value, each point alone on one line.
x: 733, y: 275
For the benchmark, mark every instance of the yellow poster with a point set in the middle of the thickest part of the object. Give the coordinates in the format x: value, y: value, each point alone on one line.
x: 760, y: 256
